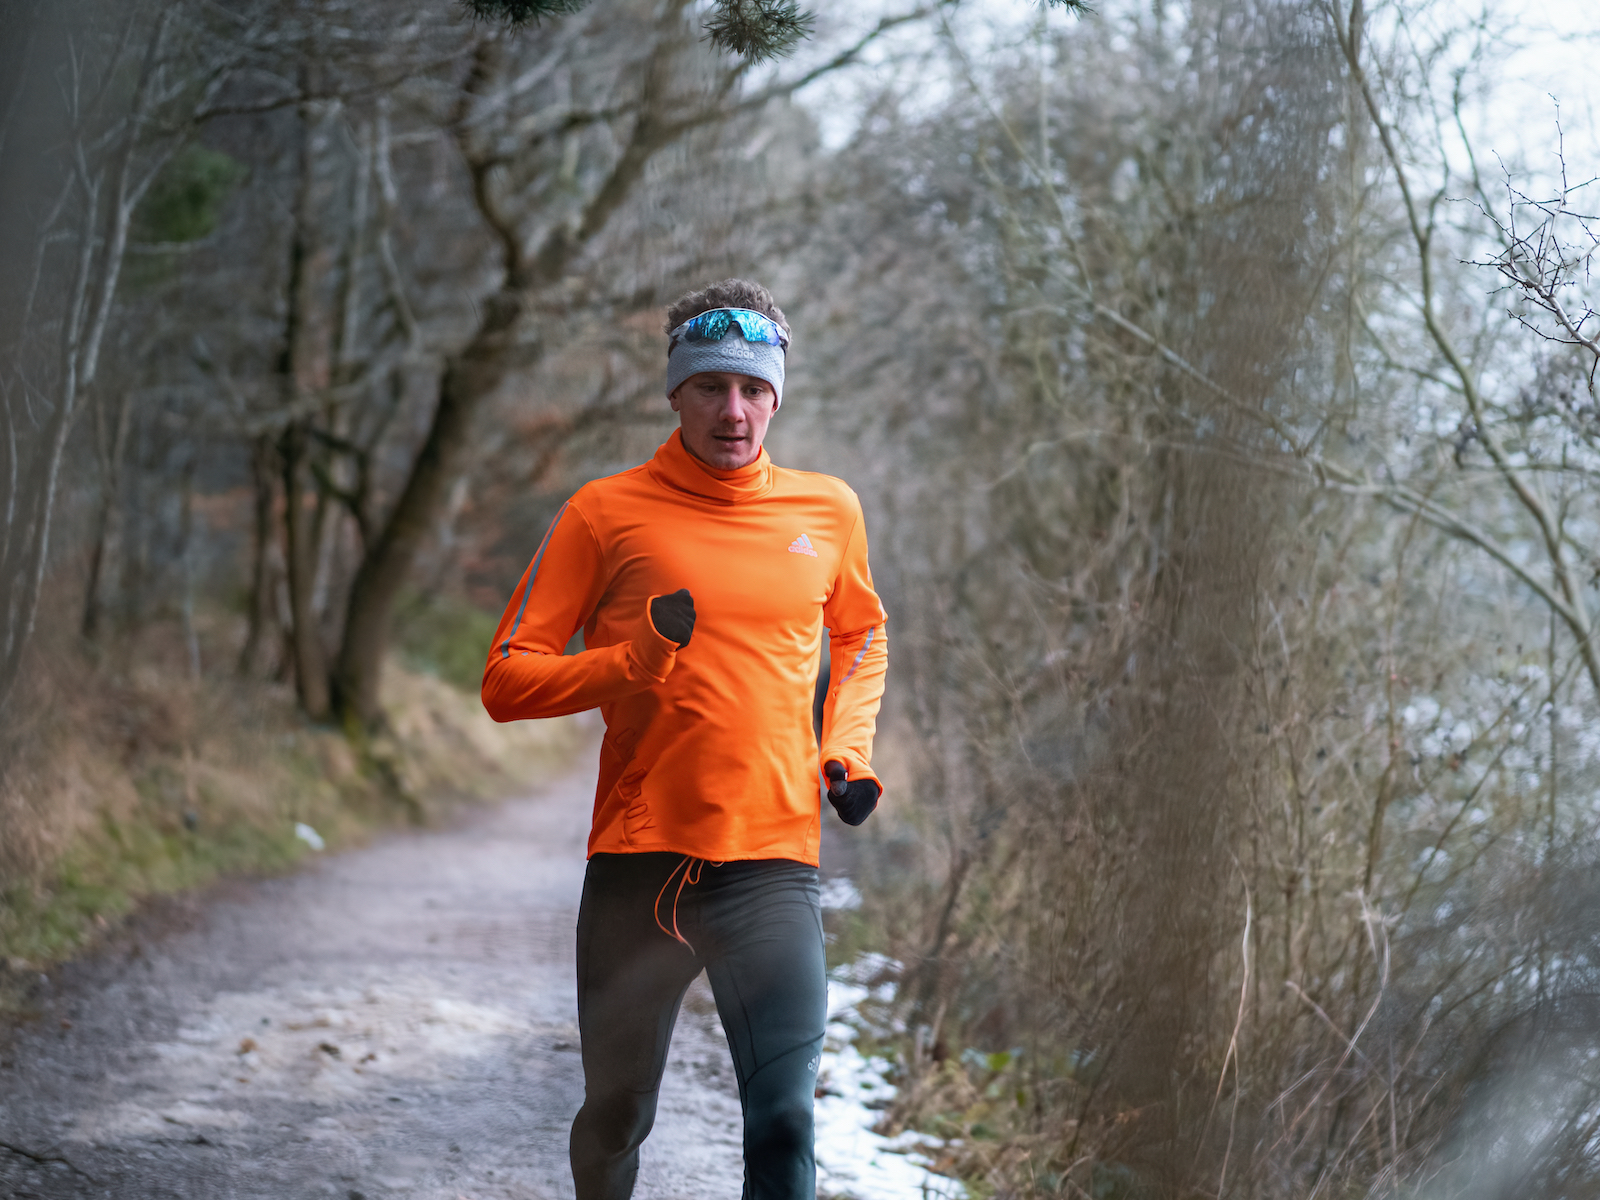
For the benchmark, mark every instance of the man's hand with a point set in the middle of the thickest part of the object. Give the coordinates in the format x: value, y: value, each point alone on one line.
x: 852, y: 799
x: 673, y: 616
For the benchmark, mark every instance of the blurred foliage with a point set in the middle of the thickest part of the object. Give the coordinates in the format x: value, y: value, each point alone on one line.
x: 187, y: 198
x: 172, y: 785
x: 182, y: 207
x: 851, y: 933
x: 446, y: 637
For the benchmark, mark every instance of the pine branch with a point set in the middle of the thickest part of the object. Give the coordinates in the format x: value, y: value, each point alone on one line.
x: 517, y: 13
x: 759, y: 30
x: 755, y: 30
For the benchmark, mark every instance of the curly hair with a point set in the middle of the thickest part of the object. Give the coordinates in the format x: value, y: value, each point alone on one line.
x: 730, y: 293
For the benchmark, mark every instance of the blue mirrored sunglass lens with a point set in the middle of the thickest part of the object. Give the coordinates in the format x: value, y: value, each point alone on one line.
x: 708, y: 327
x: 713, y: 326
x: 759, y: 328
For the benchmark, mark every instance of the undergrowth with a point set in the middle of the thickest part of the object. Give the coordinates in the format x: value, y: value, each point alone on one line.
x: 444, y: 636
x: 123, y: 785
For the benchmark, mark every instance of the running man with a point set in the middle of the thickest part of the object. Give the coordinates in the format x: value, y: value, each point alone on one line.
x: 702, y: 581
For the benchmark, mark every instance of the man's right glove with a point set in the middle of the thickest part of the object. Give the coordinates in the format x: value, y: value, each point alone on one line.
x: 673, y: 616
x: 852, y: 799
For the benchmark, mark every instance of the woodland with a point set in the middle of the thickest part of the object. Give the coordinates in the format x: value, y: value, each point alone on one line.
x: 1223, y: 407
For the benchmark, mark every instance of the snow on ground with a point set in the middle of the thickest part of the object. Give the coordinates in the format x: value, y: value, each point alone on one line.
x: 853, y: 1162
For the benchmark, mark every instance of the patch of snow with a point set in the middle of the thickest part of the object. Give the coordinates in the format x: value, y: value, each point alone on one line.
x: 865, y: 969
x: 840, y: 893
x: 853, y: 1162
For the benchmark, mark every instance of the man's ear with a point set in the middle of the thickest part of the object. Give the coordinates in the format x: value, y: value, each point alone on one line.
x: 672, y: 397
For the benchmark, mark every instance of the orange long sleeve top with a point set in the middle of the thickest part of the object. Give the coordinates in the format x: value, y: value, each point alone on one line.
x: 709, y: 750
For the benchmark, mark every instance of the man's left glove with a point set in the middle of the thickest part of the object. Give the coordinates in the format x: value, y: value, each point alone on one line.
x: 673, y: 616
x: 852, y: 799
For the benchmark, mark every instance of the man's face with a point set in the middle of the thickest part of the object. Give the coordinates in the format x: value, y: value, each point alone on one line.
x: 724, y: 417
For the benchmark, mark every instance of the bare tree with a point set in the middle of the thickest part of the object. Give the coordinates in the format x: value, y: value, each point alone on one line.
x: 135, y: 89
x: 1540, y: 271
x: 513, y: 154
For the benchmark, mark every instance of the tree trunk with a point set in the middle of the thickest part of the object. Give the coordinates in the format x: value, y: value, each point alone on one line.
x: 262, y: 463
x: 480, y: 368
x: 468, y: 378
x: 300, y: 527
x: 105, y: 523
x: 186, y: 556
x: 294, y: 365
x: 93, y: 290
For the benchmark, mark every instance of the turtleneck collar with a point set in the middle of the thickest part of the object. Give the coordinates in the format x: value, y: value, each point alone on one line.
x: 675, y: 467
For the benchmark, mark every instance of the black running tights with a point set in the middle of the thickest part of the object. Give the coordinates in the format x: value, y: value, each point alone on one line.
x: 756, y: 929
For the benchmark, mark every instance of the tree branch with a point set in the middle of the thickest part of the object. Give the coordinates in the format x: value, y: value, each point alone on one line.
x: 1573, y: 611
x: 46, y: 1158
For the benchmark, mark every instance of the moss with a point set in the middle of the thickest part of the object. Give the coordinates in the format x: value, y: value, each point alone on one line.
x: 108, y: 871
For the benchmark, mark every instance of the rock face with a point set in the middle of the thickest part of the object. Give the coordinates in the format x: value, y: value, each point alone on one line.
x: 395, y: 1021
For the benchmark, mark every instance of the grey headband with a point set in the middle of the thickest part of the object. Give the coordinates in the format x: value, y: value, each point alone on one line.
x: 732, y: 354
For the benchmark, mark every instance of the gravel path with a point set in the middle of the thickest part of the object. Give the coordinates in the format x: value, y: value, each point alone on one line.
x: 394, y: 1021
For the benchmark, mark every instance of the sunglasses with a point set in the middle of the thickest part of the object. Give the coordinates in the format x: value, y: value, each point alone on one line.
x: 713, y: 326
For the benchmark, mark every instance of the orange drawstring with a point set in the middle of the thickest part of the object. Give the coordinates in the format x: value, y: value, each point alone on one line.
x: 691, y: 875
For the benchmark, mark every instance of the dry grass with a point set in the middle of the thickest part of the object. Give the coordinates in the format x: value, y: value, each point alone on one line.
x: 121, y: 785
x: 1240, y: 829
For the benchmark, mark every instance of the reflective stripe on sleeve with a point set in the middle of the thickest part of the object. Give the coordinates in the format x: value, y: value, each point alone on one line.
x: 862, y: 653
x: 533, y: 573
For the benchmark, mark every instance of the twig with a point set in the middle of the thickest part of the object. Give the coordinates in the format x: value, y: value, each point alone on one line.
x: 1233, y: 1042
x: 1403, y: 499
x: 47, y: 1159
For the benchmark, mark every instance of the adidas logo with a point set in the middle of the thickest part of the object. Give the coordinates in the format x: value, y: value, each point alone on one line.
x: 802, y: 545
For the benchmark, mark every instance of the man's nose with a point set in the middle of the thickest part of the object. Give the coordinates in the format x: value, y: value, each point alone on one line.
x: 728, y: 405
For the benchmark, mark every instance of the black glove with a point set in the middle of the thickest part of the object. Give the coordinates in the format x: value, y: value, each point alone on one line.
x: 852, y: 799
x: 673, y: 616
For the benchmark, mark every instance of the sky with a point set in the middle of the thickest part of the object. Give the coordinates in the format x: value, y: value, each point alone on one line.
x: 1548, y: 69
x: 1545, y: 52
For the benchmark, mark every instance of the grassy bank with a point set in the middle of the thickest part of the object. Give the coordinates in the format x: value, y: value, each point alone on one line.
x: 116, y: 792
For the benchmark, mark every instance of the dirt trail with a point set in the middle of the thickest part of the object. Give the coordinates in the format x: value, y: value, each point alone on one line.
x: 395, y: 1021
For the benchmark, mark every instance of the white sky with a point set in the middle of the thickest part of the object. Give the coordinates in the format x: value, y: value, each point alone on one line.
x: 1550, y: 51
x: 1554, y: 65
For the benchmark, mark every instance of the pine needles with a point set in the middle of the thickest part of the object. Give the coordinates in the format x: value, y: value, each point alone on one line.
x: 517, y: 13
x: 757, y: 30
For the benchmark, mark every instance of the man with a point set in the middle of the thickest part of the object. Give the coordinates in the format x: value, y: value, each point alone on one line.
x: 702, y: 581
